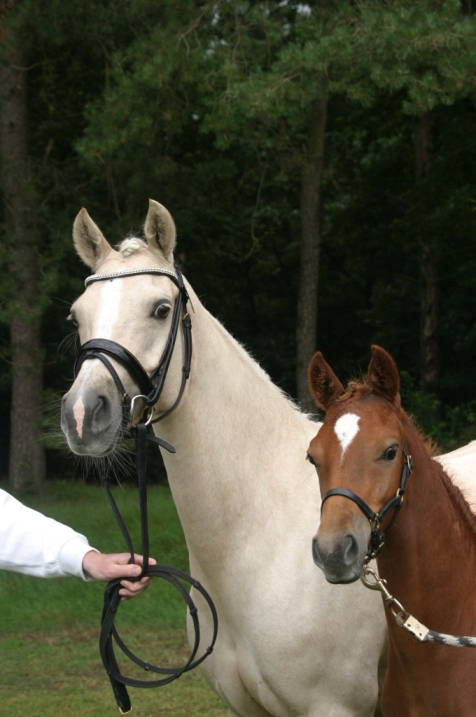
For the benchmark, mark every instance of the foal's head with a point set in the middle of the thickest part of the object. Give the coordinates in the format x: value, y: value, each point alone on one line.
x: 359, y: 448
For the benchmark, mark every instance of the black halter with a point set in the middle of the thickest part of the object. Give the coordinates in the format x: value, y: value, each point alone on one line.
x: 151, y: 387
x: 377, y: 538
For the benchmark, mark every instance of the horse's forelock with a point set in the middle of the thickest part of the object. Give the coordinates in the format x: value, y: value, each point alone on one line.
x: 361, y: 390
x: 130, y: 245
x: 357, y: 390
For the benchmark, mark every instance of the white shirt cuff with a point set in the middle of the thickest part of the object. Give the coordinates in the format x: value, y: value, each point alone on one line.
x: 71, y: 557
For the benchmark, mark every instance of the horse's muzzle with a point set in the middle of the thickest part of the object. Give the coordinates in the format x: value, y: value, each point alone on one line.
x: 340, y: 561
x: 90, y: 422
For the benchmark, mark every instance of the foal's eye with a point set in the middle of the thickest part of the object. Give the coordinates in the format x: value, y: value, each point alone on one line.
x: 162, y: 311
x: 390, y: 454
x: 311, y: 459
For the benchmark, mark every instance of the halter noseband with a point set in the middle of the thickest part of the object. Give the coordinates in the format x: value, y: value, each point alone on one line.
x: 377, y: 538
x: 151, y: 386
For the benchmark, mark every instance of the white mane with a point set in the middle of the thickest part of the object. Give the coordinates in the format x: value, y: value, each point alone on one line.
x: 257, y: 369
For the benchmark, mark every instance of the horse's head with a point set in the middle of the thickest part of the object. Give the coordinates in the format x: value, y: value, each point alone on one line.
x: 125, y: 304
x: 358, y: 449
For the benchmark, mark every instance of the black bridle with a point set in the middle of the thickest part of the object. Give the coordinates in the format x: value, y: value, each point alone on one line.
x: 151, y: 387
x: 377, y: 537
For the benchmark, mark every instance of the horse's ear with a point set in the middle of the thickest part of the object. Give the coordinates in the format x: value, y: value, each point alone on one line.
x: 383, y: 375
x: 159, y: 229
x: 89, y: 241
x: 324, y: 384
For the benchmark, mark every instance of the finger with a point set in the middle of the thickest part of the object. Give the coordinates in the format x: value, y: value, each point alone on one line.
x: 139, y: 560
x: 131, y: 570
x: 136, y: 586
x: 130, y: 592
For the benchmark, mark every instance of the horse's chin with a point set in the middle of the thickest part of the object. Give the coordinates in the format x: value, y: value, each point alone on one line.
x: 93, y: 449
x: 343, y: 579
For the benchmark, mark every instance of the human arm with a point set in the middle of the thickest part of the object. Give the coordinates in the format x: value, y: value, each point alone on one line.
x: 34, y: 544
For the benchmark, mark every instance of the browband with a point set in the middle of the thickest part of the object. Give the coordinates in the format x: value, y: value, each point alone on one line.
x: 131, y: 272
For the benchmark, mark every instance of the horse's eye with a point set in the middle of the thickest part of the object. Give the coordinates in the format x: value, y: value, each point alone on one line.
x: 390, y: 454
x: 72, y: 318
x: 162, y: 311
x: 311, y: 459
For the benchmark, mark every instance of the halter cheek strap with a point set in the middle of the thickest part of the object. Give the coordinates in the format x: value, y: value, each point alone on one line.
x: 377, y: 537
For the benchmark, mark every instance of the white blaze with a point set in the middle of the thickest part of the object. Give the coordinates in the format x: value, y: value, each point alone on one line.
x: 107, y: 315
x: 346, y: 428
x: 109, y: 308
x: 78, y: 413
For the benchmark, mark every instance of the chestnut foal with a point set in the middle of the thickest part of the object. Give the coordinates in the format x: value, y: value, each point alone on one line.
x: 369, y: 455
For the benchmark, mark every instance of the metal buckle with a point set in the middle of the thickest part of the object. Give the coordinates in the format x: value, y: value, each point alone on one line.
x: 151, y: 409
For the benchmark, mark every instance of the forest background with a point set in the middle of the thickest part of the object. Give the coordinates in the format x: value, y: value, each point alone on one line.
x: 318, y: 159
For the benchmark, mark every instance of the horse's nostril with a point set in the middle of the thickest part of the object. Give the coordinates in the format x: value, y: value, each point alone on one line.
x: 101, y: 415
x: 316, y: 554
x: 350, y: 550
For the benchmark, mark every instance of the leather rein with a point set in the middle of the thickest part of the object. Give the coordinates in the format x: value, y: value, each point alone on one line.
x: 377, y: 537
x: 151, y: 387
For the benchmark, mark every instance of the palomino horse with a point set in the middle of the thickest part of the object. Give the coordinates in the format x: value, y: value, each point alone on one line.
x: 289, y: 644
x: 364, y: 454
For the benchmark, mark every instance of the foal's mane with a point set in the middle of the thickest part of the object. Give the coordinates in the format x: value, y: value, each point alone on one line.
x: 423, y: 448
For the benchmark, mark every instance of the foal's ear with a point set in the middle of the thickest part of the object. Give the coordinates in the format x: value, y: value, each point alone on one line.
x: 89, y: 241
x: 159, y: 229
x: 383, y: 375
x: 324, y: 384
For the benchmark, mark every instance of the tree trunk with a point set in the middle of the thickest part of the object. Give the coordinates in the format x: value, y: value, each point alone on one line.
x: 27, y: 459
x: 467, y: 9
x: 311, y: 178
x: 429, y: 316
x: 429, y: 287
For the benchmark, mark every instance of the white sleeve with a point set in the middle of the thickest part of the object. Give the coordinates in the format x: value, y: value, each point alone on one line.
x: 36, y: 545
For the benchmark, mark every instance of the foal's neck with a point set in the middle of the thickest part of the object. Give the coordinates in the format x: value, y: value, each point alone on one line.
x: 433, y: 543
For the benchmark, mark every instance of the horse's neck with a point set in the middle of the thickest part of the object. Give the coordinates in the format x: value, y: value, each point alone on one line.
x: 430, y: 553
x: 241, y: 445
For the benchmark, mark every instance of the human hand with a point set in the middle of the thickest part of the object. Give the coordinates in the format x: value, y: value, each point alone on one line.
x: 109, y: 566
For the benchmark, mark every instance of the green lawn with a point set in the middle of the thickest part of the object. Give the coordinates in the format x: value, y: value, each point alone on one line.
x: 49, y: 659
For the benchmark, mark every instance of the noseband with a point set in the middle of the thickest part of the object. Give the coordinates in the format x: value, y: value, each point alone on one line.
x: 151, y: 386
x: 377, y: 537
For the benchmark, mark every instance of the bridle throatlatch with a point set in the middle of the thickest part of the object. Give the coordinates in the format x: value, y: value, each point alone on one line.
x: 377, y: 537
x: 151, y: 387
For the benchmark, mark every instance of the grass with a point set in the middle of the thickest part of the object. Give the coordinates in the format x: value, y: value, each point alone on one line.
x: 49, y: 659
